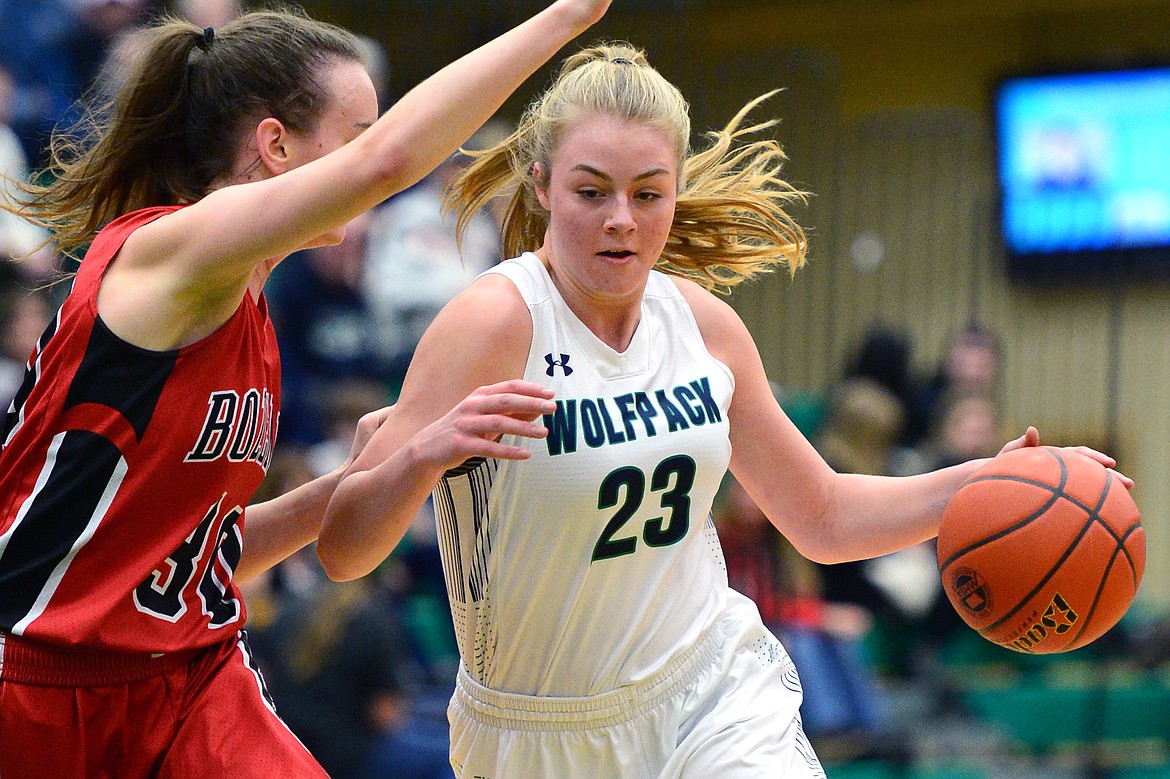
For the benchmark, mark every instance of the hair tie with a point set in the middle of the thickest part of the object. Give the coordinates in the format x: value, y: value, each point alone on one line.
x: 621, y: 61
x: 204, y: 41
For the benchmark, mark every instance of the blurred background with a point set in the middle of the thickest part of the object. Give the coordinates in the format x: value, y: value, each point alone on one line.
x: 914, y: 337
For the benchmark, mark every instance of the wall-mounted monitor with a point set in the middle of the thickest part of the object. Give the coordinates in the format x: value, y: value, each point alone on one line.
x: 1084, y: 173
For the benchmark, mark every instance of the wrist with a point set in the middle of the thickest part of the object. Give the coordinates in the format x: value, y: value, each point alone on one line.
x: 571, y: 17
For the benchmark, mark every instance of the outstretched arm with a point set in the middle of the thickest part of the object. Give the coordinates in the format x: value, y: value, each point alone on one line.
x: 829, y: 517
x: 182, y: 276
x: 420, y: 131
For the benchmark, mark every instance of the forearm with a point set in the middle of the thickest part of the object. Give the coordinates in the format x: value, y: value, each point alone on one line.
x: 277, y: 528
x: 442, y: 112
x: 370, y: 511
x: 869, y: 516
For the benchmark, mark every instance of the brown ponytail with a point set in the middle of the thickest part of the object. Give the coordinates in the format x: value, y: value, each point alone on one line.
x: 172, y: 132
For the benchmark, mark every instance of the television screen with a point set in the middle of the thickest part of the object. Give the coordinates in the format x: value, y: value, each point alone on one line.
x: 1084, y: 171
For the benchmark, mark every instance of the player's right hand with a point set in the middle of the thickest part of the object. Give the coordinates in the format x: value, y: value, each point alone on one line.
x: 474, y: 427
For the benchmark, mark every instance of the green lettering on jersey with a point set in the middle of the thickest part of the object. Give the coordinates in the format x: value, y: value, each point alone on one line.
x: 686, y: 399
x: 562, y: 428
x: 702, y: 388
x: 674, y: 418
x: 591, y: 425
x: 626, y: 411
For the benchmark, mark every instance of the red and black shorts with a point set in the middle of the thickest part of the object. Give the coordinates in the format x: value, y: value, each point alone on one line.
x: 69, y: 713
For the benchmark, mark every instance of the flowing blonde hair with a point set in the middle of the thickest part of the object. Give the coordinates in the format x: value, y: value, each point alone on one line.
x: 730, y: 221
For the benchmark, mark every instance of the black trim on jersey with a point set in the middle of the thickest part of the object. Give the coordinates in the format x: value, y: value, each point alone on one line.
x: 468, y: 585
x: 448, y: 528
x: 466, y: 467
x: 121, y: 376
x: 59, y: 514
x: 30, y: 378
x: 480, y: 482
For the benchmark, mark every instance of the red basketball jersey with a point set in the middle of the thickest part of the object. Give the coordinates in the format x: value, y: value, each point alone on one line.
x: 124, y: 474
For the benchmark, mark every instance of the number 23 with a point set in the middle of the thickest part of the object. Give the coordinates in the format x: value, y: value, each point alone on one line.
x: 674, y: 478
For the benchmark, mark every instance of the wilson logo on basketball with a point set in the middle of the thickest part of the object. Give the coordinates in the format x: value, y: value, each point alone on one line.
x: 972, y: 591
x: 1057, y: 619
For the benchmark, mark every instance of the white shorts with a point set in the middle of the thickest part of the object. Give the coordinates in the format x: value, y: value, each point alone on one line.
x: 728, y: 707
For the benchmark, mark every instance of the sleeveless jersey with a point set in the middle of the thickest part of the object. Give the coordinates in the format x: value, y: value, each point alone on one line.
x: 124, y: 474
x: 593, y: 563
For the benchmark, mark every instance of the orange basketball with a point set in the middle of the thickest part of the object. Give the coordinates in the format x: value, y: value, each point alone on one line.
x: 1042, y: 550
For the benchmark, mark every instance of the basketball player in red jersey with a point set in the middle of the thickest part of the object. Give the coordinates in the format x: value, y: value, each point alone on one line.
x: 150, y: 406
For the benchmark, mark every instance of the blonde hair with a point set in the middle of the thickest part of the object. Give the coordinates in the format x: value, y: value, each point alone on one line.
x: 730, y: 221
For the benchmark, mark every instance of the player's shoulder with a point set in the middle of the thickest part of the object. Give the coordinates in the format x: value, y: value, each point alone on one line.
x: 724, y: 334
x: 491, y: 312
x: 714, y: 316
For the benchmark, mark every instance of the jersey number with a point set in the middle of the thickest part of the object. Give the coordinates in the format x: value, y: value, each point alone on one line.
x: 162, y: 594
x: 625, y: 489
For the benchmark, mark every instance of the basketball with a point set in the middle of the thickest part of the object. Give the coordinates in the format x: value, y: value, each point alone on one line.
x: 1042, y: 550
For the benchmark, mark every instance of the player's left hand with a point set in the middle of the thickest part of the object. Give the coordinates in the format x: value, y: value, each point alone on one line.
x: 366, y: 427
x: 1031, y: 437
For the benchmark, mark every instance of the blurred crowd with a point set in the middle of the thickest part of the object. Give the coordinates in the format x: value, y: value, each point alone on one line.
x: 361, y: 671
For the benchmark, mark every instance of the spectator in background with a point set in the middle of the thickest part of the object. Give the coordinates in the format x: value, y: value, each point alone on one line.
x: 415, y: 265
x: 32, y: 39
x: 966, y: 426
x: 338, y: 665
x: 863, y: 425
x: 96, y: 28
x: 126, y: 45
x: 102, y: 22
x: 18, y: 238
x: 343, y: 401
x: 23, y: 315
x: 885, y: 356
x: 971, y: 366
x: 210, y: 13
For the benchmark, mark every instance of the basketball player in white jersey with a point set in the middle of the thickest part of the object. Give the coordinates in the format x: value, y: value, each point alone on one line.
x: 597, y: 633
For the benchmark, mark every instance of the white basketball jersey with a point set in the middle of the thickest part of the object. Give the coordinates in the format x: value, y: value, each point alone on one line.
x: 591, y: 564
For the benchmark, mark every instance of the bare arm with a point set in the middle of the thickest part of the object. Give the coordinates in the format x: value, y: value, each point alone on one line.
x: 460, y: 395
x: 829, y: 517
x: 192, y: 267
x: 279, y: 527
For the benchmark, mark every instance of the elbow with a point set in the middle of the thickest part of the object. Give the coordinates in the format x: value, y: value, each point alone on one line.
x: 818, y: 549
x: 827, y: 537
x: 822, y: 538
x: 339, y: 566
x: 339, y: 557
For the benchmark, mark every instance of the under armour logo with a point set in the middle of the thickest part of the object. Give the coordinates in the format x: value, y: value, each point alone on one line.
x: 562, y: 363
